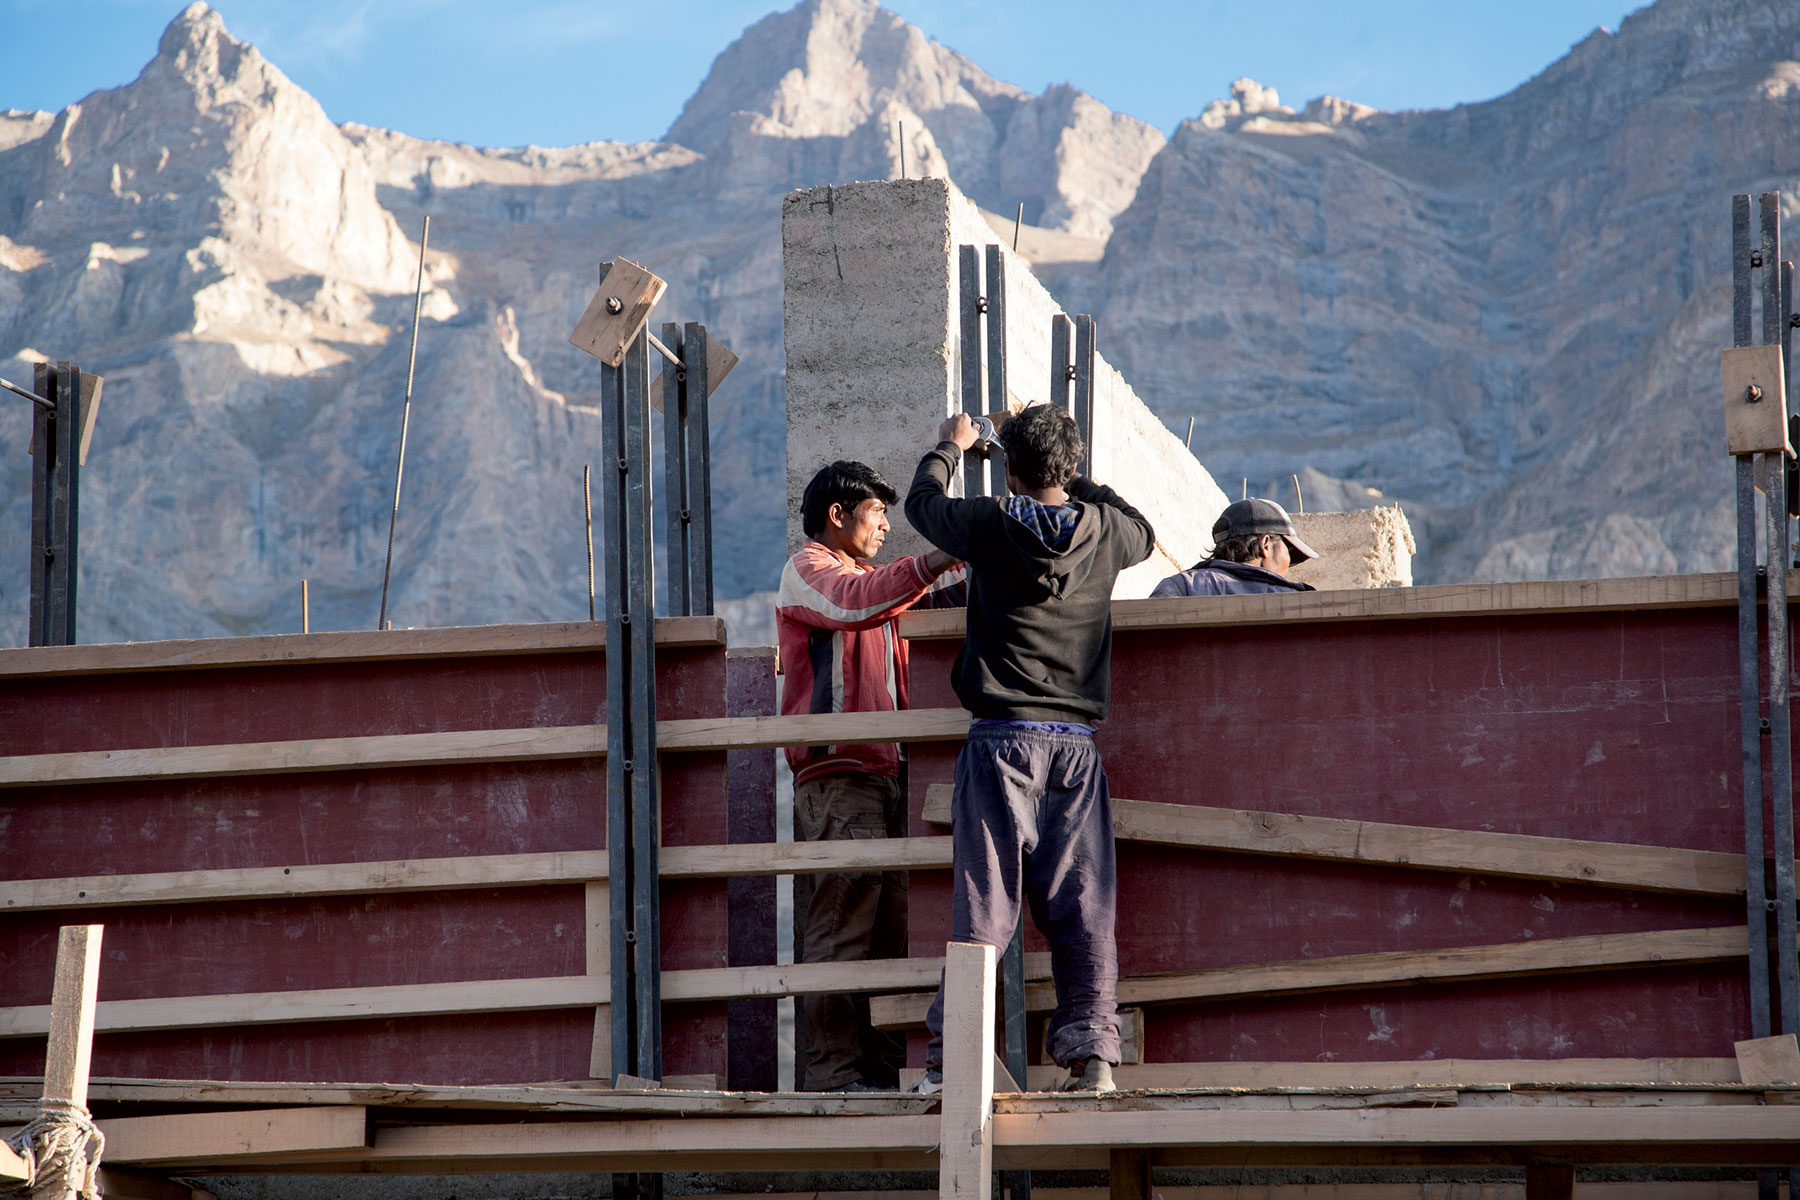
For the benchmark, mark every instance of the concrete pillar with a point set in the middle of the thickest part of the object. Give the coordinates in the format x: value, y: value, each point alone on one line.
x: 1368, y: 548
x: 871, y: 321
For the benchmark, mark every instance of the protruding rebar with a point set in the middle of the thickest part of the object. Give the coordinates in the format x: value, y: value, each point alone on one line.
x: 305, y: 609
x: 412, y: 358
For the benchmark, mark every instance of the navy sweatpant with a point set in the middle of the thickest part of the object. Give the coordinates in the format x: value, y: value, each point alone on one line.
x: 1032, y: 816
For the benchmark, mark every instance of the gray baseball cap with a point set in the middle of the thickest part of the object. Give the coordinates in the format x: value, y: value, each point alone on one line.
x: 1255, y: 517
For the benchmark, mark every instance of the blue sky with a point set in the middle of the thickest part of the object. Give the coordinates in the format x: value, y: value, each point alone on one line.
x: 556, y: 72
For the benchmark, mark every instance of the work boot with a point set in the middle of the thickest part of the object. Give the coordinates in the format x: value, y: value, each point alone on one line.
x: 1089, y: 1075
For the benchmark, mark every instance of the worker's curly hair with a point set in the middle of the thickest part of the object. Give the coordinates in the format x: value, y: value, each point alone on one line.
x: 1043, y: 446
x: 1242, y: 548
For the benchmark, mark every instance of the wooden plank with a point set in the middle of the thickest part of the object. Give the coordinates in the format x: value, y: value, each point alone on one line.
x: 618, y: 312
x: 749, y: 733
x: 1373, y: 604
x: 494, y: 995
x: 597, y: 911
x: 1511, y: 855
x: 241, y: 1136
x: 1506, y: 960
x: 471, y: 746
x: 966, y: 1132
x: 1760, y: 425
x: 123, y: 1184
x: 72, y: 995
x: 1128, y: 1176
x: 719, y: 362
x: 1770, y: 1061
x: 471, y: 871
x: 304, y: 649
x: 1445, y: 1072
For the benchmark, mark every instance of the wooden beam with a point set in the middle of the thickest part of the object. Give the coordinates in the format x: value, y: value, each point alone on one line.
x: 71, y: 1032
x: 966, y: 1132
x: 1438, y: 1073
x: 597, y: 907
x: 492, y: 995
x: 1128, y: 1176
x: 1512, y: 855
x: 1550, y: 1183
x: 11, y: 1165
x: 471, y: 746
x: 240, y: 1136
x: 1506, y: 960
x: 472, y: 871
x: 1375, y: 604
x: 304, y: 649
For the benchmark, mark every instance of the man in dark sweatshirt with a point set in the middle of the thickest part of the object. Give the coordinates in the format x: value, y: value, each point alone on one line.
x: 1031, y: 815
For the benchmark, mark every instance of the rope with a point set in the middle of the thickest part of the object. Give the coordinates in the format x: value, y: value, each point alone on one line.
x: 62, y: 1150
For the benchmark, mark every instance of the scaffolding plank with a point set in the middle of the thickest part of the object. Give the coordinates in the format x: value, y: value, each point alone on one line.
x: 1522, y: 856
x: 966, y: 1134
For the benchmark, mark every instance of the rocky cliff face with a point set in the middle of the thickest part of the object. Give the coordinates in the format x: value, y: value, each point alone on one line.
x: 1505, y: 315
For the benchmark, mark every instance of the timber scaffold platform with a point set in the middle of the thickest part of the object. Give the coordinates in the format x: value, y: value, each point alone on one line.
x: 1481, y: 902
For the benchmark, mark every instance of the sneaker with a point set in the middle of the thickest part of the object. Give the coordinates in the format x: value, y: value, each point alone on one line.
x: 1090, y: 1075
x: 931, y: 1084
x: 859, y: 1085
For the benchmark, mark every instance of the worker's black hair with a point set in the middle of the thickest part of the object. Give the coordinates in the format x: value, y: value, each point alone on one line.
x: 1043, y: 446
x: 1245, y: 547
x: 845, y: 483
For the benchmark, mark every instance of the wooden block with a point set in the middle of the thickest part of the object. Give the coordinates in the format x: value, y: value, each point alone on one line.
x: 966, y: 1131
x: 1003, y: 1079
x: 631, y: 1083
x: 1759, y: 426
x: 88, y: 393
x: 719, y: 361
x: 1770, y: 1061
x: 72, y: 997
x: 693, y: 1083
x: 213, y: 1136
x: 599, y: 963
x: 604, y: 333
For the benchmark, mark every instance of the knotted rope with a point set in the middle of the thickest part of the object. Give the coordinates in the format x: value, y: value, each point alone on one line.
x: 61, y: 1148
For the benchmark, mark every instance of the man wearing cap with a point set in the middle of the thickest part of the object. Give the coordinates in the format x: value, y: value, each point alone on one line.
x: 1254, y: 545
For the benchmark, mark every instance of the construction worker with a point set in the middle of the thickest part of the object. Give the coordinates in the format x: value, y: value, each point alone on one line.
x: 1254, y: 546
x: 840, y: 652
x: 1032, y: 817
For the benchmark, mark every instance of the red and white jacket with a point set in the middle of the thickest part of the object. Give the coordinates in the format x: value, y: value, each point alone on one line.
x: 840, y: 651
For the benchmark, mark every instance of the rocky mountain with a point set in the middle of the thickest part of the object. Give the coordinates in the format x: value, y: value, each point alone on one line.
x: 1506, y: 315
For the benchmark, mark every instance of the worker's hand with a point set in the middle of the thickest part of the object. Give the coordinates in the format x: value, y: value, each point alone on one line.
x: 959, y: 429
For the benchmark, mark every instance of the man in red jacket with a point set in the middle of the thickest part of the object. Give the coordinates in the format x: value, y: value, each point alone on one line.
x: 840, y: 652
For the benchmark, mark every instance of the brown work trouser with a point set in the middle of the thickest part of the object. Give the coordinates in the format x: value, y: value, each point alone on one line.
x: 853, y: 916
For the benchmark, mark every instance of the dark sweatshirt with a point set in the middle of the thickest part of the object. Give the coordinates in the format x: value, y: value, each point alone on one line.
x: 1039, y: 640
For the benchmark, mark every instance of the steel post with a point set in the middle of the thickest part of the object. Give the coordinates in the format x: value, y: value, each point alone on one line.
x: 698, y: 505
x: 1062, y: 367
x: 1086, y: 333
x: 677, y: 533
x: 614, y: 469
x: 1787, y: 956
x: 638, y: 620
x: 970, y: 306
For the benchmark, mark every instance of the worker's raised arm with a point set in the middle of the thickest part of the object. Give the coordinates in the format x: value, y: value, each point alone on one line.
x: 929, y: 506
x: 1134, y: 527
x: 822, y: 590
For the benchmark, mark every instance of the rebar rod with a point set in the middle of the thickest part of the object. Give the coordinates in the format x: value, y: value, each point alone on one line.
x: 412, y: 358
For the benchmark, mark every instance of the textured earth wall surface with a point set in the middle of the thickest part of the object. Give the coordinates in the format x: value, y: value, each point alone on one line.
x: 1503, y: 316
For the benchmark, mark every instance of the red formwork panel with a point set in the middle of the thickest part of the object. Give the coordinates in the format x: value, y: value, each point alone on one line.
x: 350, y: 816
x: 1618, y: 726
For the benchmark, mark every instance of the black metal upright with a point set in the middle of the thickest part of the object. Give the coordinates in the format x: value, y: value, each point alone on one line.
x: 971, y: 304
x: 687, y: 490
x: 1775, y: 323
x: 1062, y: 365
x: 1086, y: 333
x: 55, y: 503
